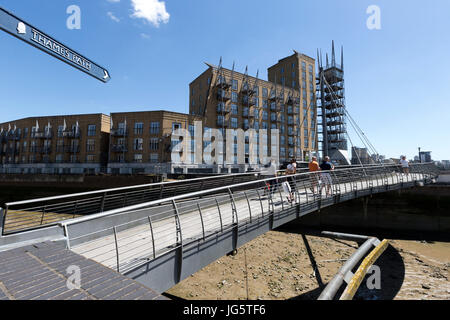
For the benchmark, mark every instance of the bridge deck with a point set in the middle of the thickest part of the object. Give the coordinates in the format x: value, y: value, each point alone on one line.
x: 135, y: 244
x: 39, y: 272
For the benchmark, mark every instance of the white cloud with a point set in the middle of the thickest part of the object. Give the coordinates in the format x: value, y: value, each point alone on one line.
x: 145, y: 36
x: 113, y: 17
x: 113, y: 1
x: 153, y: 11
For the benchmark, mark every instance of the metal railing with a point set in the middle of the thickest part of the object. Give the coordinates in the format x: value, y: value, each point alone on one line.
x: 36, y: 213
x: 129, y: 237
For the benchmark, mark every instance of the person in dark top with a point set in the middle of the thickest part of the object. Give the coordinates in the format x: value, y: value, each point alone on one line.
x: 326, y: 176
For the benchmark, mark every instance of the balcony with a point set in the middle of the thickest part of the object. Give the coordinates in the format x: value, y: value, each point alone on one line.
x: 248, y: 102
x: 14, y: 137
x: 46, y: 150
x: 121, y: 132
x: 119, y: 148
x: 223, y: 96
x: 71, y: 134
x: 34, y: 149
x: 12, y: 151
x: 222, y: 83
x: 72, y: 149
x: 42, y: 135
x: 222, y: 109
x: 222, y: 123
x: 274, y: 98
x: 247, y: 90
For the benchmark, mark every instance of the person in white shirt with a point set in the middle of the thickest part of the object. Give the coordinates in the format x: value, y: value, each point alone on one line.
x: 404, y: 164
x: 272, y: 173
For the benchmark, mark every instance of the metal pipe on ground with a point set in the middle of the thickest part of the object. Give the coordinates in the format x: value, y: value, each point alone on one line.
x: 345, y: 271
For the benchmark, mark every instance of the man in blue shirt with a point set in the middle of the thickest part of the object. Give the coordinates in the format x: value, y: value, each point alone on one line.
x: 325, y: 176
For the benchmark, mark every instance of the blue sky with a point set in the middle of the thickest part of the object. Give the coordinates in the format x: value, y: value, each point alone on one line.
x: 397, y: 78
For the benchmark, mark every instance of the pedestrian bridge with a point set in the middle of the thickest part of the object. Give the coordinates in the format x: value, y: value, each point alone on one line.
x: 163, y: 241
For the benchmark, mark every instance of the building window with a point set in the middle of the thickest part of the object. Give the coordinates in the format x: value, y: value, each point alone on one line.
x: 60, y: 131
x: 138, y: 128
x: 91, y: 130
x: 310, y: 68
x: 138, y: 144
x: 234, y: 97
x: 234, y: 84
x: 265, y: 93
x: 90, y: 145
x: 176, y: 126
x: 264, y: 125
x: 90, y: 158
x: 234, y: 109
x: 154, y: 158
x: 303, y: 65
x: 234, y: 123
x: 256, y: 113
x: 138, y: 157
x: 154, y: 144
x: 154, y: 127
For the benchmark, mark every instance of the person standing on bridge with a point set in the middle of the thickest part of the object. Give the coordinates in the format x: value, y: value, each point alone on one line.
x: 291, y: 170
x: 326, y: 176
x: 405, y: 165
x: 314, y: 177
x: 271, y: 174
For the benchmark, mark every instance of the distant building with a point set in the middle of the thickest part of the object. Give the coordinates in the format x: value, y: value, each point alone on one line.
x: 227, y: 99
x: 361, y: 156
x: 141, y: 142
x: 425, y: 156
x: 69, y: 144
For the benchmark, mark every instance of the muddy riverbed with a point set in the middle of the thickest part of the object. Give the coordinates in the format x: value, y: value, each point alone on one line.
x: 277, y: 266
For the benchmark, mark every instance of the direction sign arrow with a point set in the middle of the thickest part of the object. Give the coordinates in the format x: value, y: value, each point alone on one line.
x: 38, y: 39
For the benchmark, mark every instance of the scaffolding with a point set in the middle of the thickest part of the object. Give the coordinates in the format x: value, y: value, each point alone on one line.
x: 331, y: 106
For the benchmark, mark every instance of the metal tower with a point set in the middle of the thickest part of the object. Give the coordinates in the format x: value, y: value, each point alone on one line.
x: 331, y: 104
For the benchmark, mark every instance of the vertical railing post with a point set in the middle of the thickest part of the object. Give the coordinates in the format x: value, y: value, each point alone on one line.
x: 179, y: 239
x: 235, y: 225
x: 281, y: 196
x: 153, y: 236
x: 249, y: 207
x: 161, y: 191
x: 201, y: 219
x: 102, y: 205
x: 220, y: 215
x: 75, y: 209
x: 117, y: 249
x: 233, y: 206
x: 43, y: 214
x: 2, y: 220
x: 260, y: 202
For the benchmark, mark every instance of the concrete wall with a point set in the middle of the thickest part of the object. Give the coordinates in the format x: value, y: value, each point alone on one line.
x: 420, y: 210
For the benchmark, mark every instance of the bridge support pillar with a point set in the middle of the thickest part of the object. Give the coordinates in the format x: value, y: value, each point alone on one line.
x: 365, y: 202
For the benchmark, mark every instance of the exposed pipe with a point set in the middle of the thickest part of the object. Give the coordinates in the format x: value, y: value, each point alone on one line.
x: 333, y: 286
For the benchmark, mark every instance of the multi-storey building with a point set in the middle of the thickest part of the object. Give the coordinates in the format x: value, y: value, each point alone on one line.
x: 141, y: 142
x: 227, y: 99
x: 55, y: 144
